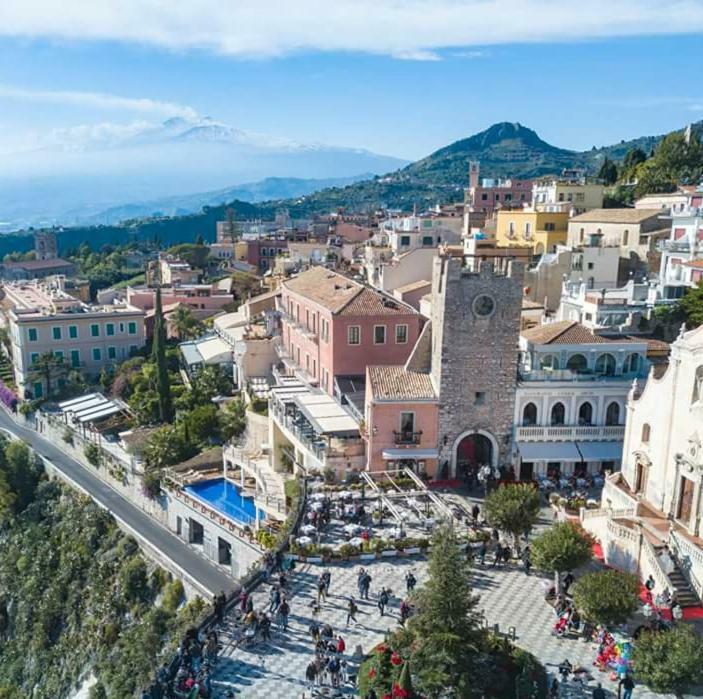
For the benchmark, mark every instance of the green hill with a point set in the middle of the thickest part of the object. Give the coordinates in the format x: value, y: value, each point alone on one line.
x: 504, y: 149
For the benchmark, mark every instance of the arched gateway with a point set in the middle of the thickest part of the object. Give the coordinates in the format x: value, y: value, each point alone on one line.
x: 473, y: 449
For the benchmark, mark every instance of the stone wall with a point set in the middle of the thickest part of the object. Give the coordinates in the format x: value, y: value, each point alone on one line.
x: 474, y: 358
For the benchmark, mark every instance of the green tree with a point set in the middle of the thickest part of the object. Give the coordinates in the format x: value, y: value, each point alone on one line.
x: 134, y: 584
x: 692, y: 306
x: 195, y: 255
x: 233, y: 420
x: 22, y: 472
x: 669, y: 661
x: 163, y: 386
x: 513, y: 508
x: 560, y: 548
x: 446, y: 627
x: 633, y: 158
x: 47, y: 368
x: 608, y: 172
x: 184, y: 322
x: 203, y: 423
x: 165, y: 447
x: 607, y: 597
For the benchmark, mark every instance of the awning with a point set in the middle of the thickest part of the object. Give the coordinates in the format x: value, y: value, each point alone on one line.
x: 600, y: 451
x: 396, y: 454
x: 549, y: 451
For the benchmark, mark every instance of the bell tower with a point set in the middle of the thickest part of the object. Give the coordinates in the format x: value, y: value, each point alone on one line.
x: 475, y: 334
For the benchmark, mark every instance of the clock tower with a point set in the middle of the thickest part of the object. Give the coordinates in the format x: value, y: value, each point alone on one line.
x: 475, y: 334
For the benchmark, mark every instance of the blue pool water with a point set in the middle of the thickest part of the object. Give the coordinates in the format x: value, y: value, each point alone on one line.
x: 224, y: 496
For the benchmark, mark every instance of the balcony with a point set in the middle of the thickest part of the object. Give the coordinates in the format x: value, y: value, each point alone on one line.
x: 407, y: 438
x: 674, y: 246
x: 568, y: 375
x: 570, y: 433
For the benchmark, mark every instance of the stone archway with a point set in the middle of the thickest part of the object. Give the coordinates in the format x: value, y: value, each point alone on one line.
x: 471, y: 449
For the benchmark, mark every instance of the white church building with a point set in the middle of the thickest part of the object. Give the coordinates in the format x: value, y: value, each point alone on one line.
x: 650, y: 516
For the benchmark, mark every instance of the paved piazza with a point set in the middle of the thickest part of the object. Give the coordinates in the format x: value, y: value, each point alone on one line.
x: 276, y: 669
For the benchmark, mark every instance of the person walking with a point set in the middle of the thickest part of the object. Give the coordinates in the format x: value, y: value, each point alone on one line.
x: 321, y: 590
x: 410, y: 582
x: 311, y: 674
x: 482, y: 551
x: 526, y: 560
x: 383, y: 601
x: 627, y: 685
x: 568, y: 582
x: 366, y: 586
x: 475, y: 512
x: 352, y: 609
x: 360, y: 582
x: 599, y: 692
x: 498, y: 554
x: 265, y: 627
x: 282, y: 615
x: 327, y: 578
x: 274, y: 599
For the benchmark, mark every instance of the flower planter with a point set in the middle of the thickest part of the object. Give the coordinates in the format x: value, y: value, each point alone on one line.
x: 389, y: 554
x: 367, y: 557
x: 413, y: 551
x: 314, y: 559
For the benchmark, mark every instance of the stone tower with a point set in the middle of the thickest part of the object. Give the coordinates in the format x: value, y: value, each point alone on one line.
x: 475, y: 333
x: 45, y: 246
x: 474, y: 169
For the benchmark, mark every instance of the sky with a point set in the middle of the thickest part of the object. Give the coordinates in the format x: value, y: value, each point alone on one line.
x: 398, y: 77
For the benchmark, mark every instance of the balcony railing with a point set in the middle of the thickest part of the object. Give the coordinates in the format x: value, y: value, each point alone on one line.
x: 675, y: 246
x: 568, y: 375
x: 407, y: 437
x: 570, y: 433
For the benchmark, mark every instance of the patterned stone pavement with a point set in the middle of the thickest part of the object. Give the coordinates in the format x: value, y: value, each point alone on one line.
x: 277, y: 669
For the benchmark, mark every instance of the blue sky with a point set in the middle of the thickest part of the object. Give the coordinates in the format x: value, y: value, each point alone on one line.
x: 404, y: 88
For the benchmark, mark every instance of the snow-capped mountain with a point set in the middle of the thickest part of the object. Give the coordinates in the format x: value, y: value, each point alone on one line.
x: 76, y: 172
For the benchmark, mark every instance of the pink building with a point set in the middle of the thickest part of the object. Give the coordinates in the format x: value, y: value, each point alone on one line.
x: 488, y: 195
x: 402, y: 417
x: 333, y: 326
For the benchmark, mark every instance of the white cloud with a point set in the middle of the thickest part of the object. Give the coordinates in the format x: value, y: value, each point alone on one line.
x: 98, y: 100
x: 256, y: 28
x: 417, y: 55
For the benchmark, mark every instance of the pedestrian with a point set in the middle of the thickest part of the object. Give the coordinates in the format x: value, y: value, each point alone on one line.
x: 243, y: 597
x: 383, y: 601
x: 327, y: 577
x: 482, y: 553
x: 265, y: 627
x: 410, y: 582
x: 250, y: 604
x: 351, y: 611
x: 554, y: 689
x: 568, y: 582
x: 404, y: 612
x: 341, y: 645
x: 274, y: 599
x: 366, y: 586
x: 627, y: 684
x: 360, y: 582
x: 599, y: 692
x: 650, y: 583
x: 498, y: 555
x: 526, y: 561
x: 282, y: 615
x: 475, y: 512
x: 311, y: 674
x: 321, y: 590
x: 314, y: 631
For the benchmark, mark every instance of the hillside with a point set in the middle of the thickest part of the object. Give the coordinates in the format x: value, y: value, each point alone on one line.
x: 503, y: 149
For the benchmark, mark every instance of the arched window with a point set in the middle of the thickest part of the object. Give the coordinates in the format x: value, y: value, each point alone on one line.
x: 558, y: 414
x: 697, y: 386
x: 632, y: 364
x: 529, y: 415
x: 577, y: 363
x: 549, y: 361
x: 645, y: 433
x: 586, y: 414
x: 612, y: 414
x: 605, y: 364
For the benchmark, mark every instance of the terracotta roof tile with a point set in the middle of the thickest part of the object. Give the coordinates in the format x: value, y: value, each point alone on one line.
x: 696, y: 264
x: 563, y: 332
x: 395, y: 382
x: 321, y: 285
x: 371, y: 303
x: 617, y: 215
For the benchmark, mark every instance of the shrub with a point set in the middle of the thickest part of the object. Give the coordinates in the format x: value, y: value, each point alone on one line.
x: 607, y: 596
x: 67, y: 436
x: 173, y: 596
x: 92, y: 454
x: 133, y: 580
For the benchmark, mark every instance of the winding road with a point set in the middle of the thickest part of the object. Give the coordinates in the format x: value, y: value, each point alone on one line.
x: 198, y: 570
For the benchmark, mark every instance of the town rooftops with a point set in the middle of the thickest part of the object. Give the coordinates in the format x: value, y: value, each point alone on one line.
x: 397, y: 383
x: 696, y: 264
x: 34, y: 265
x: 632, y: 216
x: 563, y: 332
x: 345, y: 296
x: 413, y: 286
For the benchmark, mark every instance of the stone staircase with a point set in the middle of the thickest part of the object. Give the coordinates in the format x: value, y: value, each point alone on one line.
x: 685, y: 594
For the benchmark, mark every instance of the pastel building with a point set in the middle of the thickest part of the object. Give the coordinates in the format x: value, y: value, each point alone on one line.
x: 333, y: 326
x: 567, y: 193
x: 488, y: 195
x: 45, y: 319
x: 571, y: 397
x: 542, y: 231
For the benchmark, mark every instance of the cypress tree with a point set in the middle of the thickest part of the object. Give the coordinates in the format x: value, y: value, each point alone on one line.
x: 158, y: 355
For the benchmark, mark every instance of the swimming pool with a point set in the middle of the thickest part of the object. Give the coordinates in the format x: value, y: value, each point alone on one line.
x: 224, y: 496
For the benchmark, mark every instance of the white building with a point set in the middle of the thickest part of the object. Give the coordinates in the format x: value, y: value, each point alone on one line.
x: 682, y: 254
x: 407, y: 233
x: 570, y: 400
x: 656, y: 500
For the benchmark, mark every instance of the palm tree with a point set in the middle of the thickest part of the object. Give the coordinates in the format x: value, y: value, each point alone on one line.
x: 184, y: 322
x: 47, y: 367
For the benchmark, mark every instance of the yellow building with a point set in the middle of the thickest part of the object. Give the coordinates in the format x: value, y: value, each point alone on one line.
x: 540, y: 230
x: 555, y: 193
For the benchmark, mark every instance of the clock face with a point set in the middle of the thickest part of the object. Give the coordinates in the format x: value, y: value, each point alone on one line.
x: 484, y: 305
